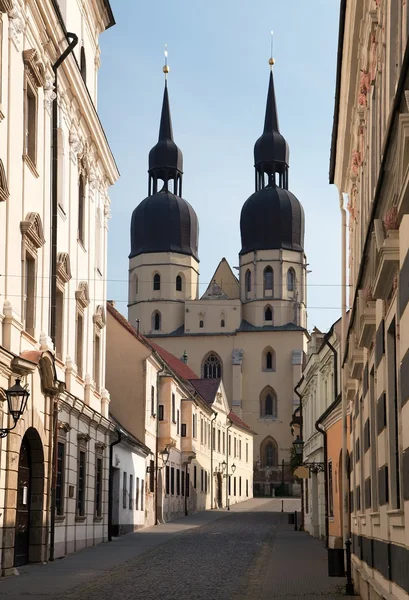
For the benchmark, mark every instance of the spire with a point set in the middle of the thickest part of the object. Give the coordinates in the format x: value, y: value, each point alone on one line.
x: 271, y: 119
x: 165, y: 129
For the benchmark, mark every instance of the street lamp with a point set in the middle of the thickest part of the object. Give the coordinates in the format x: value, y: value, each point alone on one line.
x: 165, y: 456
x: 224, y: 465
x: 315, y: 467
x: 233, y: 468
x: 17, y: 397
x: 298, y: 446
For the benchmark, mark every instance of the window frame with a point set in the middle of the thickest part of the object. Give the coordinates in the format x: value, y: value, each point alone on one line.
x: 156, y: 282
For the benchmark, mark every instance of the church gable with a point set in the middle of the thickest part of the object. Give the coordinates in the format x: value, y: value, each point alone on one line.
x: 224, y: 284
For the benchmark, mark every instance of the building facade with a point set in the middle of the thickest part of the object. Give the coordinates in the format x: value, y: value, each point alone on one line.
x: 201, y: 452
x: 369, y: 164
x: 248, y: 330
x: 53, y: 225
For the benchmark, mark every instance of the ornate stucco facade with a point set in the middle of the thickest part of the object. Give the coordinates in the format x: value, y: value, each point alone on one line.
x: 369, y: 164
x: 67, y: 413
x: 249, y: 330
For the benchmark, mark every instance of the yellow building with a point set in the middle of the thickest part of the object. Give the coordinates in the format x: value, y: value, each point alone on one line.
x: 369, y: 164
x: 249, y: 330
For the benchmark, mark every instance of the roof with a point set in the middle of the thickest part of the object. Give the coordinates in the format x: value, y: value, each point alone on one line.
x: 207, y: 388
x: 237, y: 421
x: 126, y: 324
x: 177, y: 365
x: 246, y: 326
x: 131, y: 438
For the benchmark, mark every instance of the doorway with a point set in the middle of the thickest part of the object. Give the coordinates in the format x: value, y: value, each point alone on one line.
x: 29, y: 539
x: 219, y: 490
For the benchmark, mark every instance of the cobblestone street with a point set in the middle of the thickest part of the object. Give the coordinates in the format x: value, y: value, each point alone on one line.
x: 249, y: 553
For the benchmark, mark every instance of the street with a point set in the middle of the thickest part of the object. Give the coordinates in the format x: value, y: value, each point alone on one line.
x: 249, y: 553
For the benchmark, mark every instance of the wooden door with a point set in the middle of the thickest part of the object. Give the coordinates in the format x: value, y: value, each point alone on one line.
x: 21, y: 543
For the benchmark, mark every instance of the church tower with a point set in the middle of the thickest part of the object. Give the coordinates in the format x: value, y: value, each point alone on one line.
x: 163, y: 263
x: 272, y: 260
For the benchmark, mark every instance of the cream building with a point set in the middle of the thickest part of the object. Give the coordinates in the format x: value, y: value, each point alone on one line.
x: 201, y: 452
x: 52, y: 278
x: 248, y: 330
x: 369, y: 164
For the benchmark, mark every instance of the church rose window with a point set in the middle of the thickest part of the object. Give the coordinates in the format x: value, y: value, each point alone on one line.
x: 212, y: 368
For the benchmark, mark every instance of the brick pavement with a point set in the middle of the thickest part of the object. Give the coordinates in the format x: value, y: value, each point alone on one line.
x: 248, y: 553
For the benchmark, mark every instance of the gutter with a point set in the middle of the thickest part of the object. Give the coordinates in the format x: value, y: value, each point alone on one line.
x: 111, y: 481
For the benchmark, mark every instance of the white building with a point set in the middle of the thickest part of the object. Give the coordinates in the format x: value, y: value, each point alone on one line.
x: 52, y: 315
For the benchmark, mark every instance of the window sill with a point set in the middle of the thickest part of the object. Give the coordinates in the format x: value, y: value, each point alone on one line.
x: 98, y: 519
x: 31, y: 165
x: 80, y: 519
x: 375, y: 518
x: 269, y: 370
x: 396, y: 517
x: 59, y: 518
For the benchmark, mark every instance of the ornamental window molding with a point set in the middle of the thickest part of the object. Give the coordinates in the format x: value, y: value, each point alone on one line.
x: 82, y: 295
x: 83, y: 439
x: 63, y: 268
x: 33, y: 67
x: 98, y: 318
x: 6, y: 6
x: 100, y: 447
x: 32, y: 231
x: 4, y: 190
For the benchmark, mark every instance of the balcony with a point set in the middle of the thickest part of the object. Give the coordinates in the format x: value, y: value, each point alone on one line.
x: 367, y: 325
x: 388, y: 264
x: 357, y: 363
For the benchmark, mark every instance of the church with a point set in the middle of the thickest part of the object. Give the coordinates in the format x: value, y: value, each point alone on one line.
x: 250, y: 331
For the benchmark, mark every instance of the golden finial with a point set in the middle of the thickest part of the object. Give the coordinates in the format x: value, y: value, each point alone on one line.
x: 166, y: 68
x: 271, y: 59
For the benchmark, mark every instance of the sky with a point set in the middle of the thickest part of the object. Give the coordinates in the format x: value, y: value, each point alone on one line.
x: 218, y: 58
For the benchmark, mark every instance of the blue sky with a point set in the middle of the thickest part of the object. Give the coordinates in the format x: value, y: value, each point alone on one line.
x: 218, y: 55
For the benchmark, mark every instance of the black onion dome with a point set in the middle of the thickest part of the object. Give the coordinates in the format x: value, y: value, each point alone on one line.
x: 165, y: 156
x: 271, y: 147
x: 164, y: 222
x: 272, y: 218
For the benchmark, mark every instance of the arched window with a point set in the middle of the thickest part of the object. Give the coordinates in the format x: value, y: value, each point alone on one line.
x: 268, y: 280
x: 201, y: 320
x: 269, y: 359
x: 269, y: 452
x: 156, y: 281
x: 83, y: 65
x: 178, y: 283
x: 222, y: 320
x: 156, y: 321
x: 268, y: 403
x: 136, y: 285
x: 212, y: 367
x: 247, y: 282
x: 268, y: 314
x: 290, y: 280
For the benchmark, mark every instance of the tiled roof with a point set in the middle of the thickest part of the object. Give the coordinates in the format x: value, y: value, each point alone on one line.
x: 207, y: 388
x: 177, y: 365
x: 237, y: 421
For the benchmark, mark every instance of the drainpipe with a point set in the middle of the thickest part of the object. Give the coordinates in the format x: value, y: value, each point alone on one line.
x: 111, y: 484
x: 324, y: 433
x: 227, y: 464
x: 301, y: 437
x: 73, y: 41
x: 211, y: 458
x: 346, y: 533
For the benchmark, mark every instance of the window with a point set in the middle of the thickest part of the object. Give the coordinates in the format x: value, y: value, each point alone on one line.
x: 124, y: 482
x: 224, y: 442
x: 59, y: 323
x: 98, y: 488
x: 268, y: 403
x: 182, y: 484
x: 239, y: 486
x: 98, y: 240
x: 229, y: 485
x: 81, y: 210
x: 194, y: 476
x: 130, y: 491
x: 187, y: 484
x: 173, y: 408
x: 247, y: 488
x: 229, y: 445
x: 81, y: 483
x: 235, y: 448
x: 137, y: 494
x: 212, y: 368
x: 152, y: 476
x: 142, y: 492
x: 201, y: 430
x: 167, y: 479
x: 59, y: 486
x: 222, y: 323
x: 30, y: 148
x: 152, y: 401
x: 178, y: 283
x: 205, y: 482
x: 330, y: 491
x: 219, y: 434
x: 268, y: 314
x: 161, y: 412
x: 247, y: 452
x: 268, y: 278
x: 156, y: 282
x: 247, y: 282
x: 240, y: 450
x: 83, y: 65
x: 269, y: 452
x: 156, y: 321
x: 269, y: 359
x: 183, y: 430
x: 234, y: 486
x: 29, y: 293
x: 222, y: 320
x: 194, y: 426
x: 290, y: 280
x: 177, y: 421
x: 97, y: 360
x: 201, y: 320
x: 213, y: 438
x: 177, y: 482
x: 136, y: 285
x: 79, y: 342
x: 201, y: 480
x: 172, y: 481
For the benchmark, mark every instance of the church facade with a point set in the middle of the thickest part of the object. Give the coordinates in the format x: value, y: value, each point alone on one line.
x: 250, y: 330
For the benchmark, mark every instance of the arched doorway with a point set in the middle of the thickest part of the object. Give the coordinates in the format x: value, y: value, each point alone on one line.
x: 29, y: 533
x: 219, y: 490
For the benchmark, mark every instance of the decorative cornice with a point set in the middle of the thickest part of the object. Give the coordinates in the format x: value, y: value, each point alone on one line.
x: 34, y: 67
x: 100, y: 446
x: 99, y: 317
x: 82, y: 295
x: 64, y: 426
x: 63, y: 267
x: 32, y: 228
x: 4, y: 190
x: 83, y: 438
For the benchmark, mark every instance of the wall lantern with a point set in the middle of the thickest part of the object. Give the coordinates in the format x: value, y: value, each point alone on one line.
x: 298, y: 446
x: 17, y: 397
x: 233, y: 468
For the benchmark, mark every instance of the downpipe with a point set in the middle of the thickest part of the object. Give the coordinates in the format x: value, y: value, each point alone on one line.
x: 111, y: 485
x: 297, y: 387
